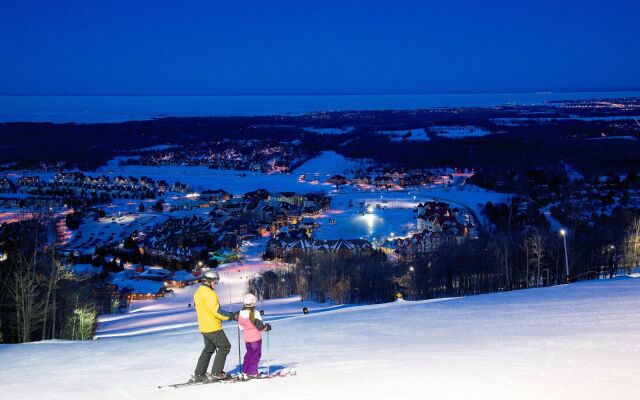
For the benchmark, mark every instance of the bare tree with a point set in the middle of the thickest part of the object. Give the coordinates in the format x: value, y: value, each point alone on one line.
x: 25, y: 295
x: 83, y: 322
x: 500, y: 250
x: 632, y: 246
x: 538, y: 247
x: 407, y: 283
x: 525, y: 246
x: 302, y: 282
x: 339, y: 291
x: 57, y: 274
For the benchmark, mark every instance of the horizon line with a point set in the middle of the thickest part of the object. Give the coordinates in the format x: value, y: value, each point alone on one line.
x: 350, y: 93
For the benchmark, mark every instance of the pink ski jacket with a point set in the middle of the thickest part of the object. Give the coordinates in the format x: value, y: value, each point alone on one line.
x: 251, y: 332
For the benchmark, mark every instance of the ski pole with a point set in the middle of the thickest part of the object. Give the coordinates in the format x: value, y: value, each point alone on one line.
x: 239, y: 350
x: 268, y: 359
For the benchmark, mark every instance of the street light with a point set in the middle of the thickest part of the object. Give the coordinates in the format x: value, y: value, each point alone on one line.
x: 563, y: 233
x: 614, y: 258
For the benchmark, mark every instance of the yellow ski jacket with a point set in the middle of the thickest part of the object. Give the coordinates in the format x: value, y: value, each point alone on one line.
x: 210, y: 315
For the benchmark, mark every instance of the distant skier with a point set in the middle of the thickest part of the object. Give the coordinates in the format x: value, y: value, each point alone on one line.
x: 210, y: 317
x: 250, y: 323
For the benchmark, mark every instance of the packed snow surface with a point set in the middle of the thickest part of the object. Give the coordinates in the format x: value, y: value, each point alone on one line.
x: 577, y: 341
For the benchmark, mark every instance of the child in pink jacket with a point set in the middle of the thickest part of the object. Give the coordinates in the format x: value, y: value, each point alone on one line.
x: 250, y: 323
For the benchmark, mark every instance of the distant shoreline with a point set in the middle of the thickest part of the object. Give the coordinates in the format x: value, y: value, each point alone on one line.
x: 112, y: 109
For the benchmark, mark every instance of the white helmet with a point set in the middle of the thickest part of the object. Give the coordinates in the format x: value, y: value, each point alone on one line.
x: 211, y: 276
x: 249, y: 300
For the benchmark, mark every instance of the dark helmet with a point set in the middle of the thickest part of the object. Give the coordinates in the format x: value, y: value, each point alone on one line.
x: 211, y: 276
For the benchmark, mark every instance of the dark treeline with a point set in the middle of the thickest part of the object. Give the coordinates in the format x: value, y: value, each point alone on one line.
x: 612, y: 241
x: 456, y: 269
x: 340, y: 277
x: 39, y: 298
x: 520, y: 252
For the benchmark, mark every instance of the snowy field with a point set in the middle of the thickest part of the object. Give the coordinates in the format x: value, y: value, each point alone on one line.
x: 200, y: 178
x: 458, y: 132
x: 203, y: 178
x: 330, y: 131
x: 576, y: 341
x: 407, y: 134
x: 330, y: 163
x: 614, y: 138
x: 157, y: 147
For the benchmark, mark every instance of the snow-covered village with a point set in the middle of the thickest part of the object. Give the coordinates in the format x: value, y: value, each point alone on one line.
x: 287, y: 211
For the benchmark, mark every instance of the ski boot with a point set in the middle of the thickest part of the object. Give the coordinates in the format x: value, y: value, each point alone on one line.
x: 198, y: 379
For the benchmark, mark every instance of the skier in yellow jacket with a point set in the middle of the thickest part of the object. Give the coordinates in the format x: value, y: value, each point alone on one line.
x: 210, y: 317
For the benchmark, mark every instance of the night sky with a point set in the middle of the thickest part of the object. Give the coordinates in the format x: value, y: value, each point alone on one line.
x: 286, y: 47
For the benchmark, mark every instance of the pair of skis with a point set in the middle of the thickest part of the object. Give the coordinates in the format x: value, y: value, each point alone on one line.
x: 233, y: 379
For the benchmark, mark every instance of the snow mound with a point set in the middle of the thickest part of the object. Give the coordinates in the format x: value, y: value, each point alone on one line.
x: 330, y: 163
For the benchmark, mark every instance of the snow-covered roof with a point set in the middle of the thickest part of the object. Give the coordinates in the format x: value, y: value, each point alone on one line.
x: 83, y: 269
x: 142, y: 286
x: 184, y: 276
x: 154, y: 272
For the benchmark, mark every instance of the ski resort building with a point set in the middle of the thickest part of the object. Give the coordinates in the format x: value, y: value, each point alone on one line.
x: 297, y: 247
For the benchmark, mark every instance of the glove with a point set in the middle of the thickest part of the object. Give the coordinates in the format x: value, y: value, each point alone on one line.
x: 234, y: 316
x: 267, y: 327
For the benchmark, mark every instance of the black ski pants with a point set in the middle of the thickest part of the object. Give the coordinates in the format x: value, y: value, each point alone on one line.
x: 214, y: 342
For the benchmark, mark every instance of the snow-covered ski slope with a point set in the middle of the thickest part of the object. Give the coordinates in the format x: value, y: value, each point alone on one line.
x: 578, y: 341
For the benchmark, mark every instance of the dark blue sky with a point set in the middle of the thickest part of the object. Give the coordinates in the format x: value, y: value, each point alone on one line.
x: 272, y: 47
